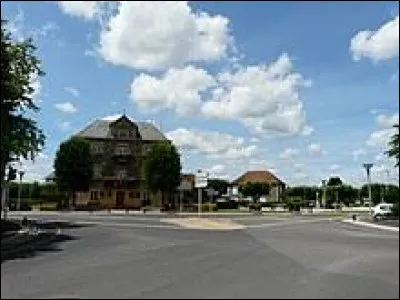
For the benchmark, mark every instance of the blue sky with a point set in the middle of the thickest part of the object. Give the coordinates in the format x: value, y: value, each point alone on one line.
x: 307, y: 90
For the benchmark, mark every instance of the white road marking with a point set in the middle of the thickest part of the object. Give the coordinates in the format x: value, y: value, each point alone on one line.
x: 366, y: 224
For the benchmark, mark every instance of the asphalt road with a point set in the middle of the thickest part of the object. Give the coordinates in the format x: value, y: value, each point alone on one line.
x: 273, y: 258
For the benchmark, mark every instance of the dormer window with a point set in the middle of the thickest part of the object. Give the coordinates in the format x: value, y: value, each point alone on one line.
x: 123, y: 133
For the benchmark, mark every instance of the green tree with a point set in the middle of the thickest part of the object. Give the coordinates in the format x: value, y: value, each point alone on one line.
x: 162, y: 168
x: 219, y: 185
x: 73, y: 166
x: 254, y: 190
x: 20, y: 134
x: 379, y: 191
x: 394, y: 145
x: 334, y: 181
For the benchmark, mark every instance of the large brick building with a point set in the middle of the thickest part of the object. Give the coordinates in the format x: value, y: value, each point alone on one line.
x: 119, y: 146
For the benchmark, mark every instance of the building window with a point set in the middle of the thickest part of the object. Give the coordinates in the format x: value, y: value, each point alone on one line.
x: 121, y: 174
x: 122, y: 149
x: 97, y: 170
x: 97, y: 148
x: 137, y: 194
x: 94, y: 195
x: 123, y: 133
x: 109, y: 194
x: 101, y: 194
x: 131, y: 195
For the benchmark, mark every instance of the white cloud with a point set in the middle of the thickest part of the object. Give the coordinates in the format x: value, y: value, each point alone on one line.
x: 37, y: 88
x: 158, y: 35
x: 358, y: 153
x: 385, y: 121
x: 314, y: 148
x: 82, y: 9
x: 334, y: 167
x: 301, y: 175
x: 299, y: 167
x: 289, y: 153
x: 112, y: 117
x: 178, y: 89
x: 214, y: 144
x: 66, y: 107
x: 264, y: 98
x: 380, y: 157
x: 377, y: 45
x: 36, y: 170
x: 307, y: 130
x: 73, y: 91
x: 382, y: 136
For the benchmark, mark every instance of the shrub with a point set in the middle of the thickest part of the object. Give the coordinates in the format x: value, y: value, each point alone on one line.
x: 395, y: 210
x: 228, y: 205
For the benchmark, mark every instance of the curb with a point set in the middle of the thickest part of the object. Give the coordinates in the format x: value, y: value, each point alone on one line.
x: 366, y: 224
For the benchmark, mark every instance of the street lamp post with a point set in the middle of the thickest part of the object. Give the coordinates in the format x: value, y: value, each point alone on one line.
x: 368, y: 167
x: 21, y: 174
x: 324, y: 193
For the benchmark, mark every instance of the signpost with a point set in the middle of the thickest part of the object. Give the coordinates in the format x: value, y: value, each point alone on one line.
x: 184, y: 186
x: 200, y: 182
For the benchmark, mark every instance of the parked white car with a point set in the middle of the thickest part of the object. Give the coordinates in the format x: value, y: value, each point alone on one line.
x: 381, y: 210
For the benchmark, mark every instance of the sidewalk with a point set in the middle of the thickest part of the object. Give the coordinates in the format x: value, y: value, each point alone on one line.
x: 371, y: 225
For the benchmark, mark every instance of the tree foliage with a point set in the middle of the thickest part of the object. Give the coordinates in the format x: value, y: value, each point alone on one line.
x: 20, y: 134
x: 162, y: 168
x: 254, y: 190
x: 334, y: 181
x: 219, y: 185
x: 394, y: 145
x: 73, y: 166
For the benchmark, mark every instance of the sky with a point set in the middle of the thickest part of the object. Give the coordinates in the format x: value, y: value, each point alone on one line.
x: 305, y: 90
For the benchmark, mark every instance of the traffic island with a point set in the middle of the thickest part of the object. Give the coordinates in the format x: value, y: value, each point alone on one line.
x: 205, y: 223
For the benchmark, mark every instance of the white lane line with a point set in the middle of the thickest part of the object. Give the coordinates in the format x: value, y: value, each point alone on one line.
x: 292, y: 222
x: 366, y: 224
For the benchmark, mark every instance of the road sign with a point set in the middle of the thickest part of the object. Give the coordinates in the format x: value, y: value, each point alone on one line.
x: 185, y: 186
x: 200, y: 180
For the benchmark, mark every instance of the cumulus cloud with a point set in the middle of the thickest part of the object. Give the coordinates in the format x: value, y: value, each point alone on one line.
x: 307, y: 130
x: 66, y: 107
x: 211, y: 143
x: 178, y: 89
x: 73, y: 91
x: 334, y: 167
x: 380, y: 44
x: 289, y: 153
x: 264, y: 98
x: 36, y: 170
x: 157, y: 35
x: 358, y: 153
x: 314, y: 148
x: 82, y: 9
x: 381, y: 137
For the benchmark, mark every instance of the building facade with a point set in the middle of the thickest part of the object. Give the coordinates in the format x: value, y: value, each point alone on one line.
x: 119, y: 147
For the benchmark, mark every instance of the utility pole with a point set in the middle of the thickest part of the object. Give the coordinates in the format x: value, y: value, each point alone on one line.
x: 368, y: 167
x: 21, y: 174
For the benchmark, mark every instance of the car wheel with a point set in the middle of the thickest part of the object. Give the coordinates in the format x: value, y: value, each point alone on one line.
x: 378, y: 217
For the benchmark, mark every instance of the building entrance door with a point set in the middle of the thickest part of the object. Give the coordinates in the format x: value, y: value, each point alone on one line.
x: 120, y: 199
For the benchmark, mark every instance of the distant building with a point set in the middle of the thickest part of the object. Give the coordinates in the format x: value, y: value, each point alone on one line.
x: 119, y: 146
x: 276, y: 185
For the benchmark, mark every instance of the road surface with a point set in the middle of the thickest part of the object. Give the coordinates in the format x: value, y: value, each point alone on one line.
x: 139, y: 257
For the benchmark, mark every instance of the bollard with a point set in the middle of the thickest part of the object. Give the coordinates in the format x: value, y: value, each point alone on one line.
x: 354, y: 217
